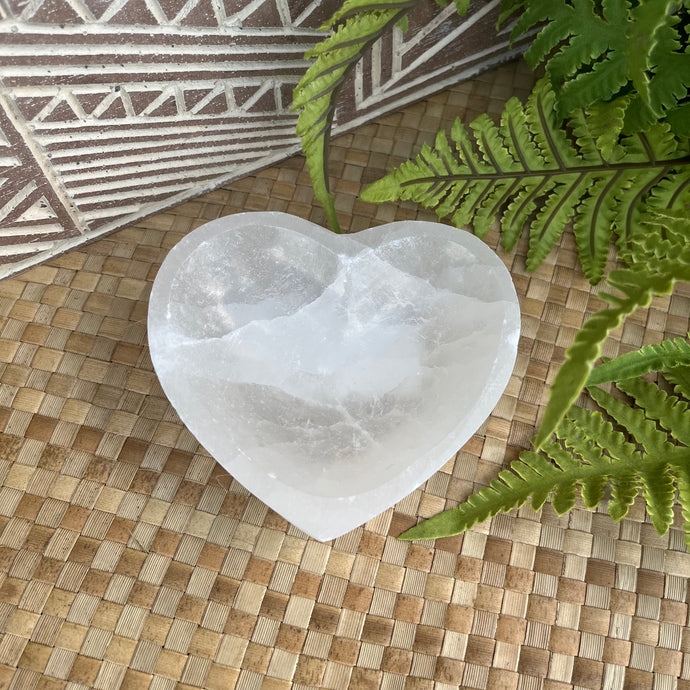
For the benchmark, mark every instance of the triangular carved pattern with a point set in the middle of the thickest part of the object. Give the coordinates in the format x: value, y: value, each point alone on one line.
x: 25, y: 213
x: 182, y: 13
x: 32, y: 218
x: 436, y: 48
x: 164, y: 99
x: 136, y: 102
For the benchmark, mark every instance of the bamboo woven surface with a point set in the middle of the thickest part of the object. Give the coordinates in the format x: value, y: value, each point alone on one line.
x: 130, y: 559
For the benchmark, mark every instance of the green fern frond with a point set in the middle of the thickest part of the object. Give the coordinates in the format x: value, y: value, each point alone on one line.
x: 350, y: 9
x: 596, y: 51
x: 532, y: 475
x: 667, y: 209
x: 596, y: 215
x: 653, y: 465
x: 624, y: 490
x: 317, y: 92
x: 527, y: 171
x: 508, y: 9
x: 642, y: 39
x: 587, y: 427
x: 623, y: 450
x: 586, y: 348
x: 650, y: 275
x: 666, y: 462
x: 656, y: 357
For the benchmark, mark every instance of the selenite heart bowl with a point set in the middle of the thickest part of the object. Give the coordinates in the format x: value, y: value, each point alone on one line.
x: 331, y: 375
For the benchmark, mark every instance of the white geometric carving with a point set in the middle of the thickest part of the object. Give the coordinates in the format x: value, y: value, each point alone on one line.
x: 131, y: 106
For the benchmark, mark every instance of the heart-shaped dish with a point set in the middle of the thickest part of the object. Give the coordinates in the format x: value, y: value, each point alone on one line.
x: 331, y: 375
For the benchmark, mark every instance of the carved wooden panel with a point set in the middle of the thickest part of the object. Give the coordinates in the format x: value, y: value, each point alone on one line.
x: 112, y: 110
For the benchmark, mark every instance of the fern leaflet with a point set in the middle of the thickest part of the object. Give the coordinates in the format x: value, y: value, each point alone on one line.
x: 680, y: 378
x: 683, y: 486
x: 605, y: 121
x: 666, y: 355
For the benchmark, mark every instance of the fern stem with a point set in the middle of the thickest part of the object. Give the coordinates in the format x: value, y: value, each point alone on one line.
x: 678, y: 192
x: 597, y: 208
x: 647, y: 147
x: 488, y: 152
x: 518, y: 150
x: 633, y: 203
x: 609, y: 167
x: 325, y: 72
x: 316, y: 146
x: 546, y: 226
x: 547, y: 131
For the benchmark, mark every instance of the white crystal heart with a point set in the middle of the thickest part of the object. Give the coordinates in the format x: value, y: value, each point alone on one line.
x: 332, y: 375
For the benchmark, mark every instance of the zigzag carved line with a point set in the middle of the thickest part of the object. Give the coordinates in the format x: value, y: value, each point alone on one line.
x: 83, y: 11
x: 66, y: 110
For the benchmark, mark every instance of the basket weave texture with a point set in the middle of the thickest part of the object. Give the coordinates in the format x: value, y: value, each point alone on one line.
x: 130, y: 559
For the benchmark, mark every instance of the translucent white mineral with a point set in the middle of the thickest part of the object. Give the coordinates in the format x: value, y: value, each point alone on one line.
x: 331, y: 375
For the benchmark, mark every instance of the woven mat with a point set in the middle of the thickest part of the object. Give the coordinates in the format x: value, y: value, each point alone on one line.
x: 130, y: 559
